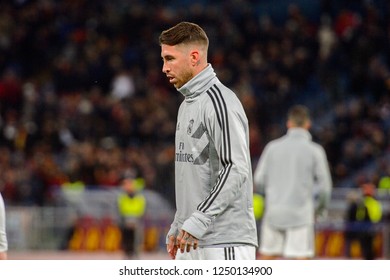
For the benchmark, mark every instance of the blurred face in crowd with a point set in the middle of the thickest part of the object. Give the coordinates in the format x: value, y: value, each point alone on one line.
x: 177, y: 63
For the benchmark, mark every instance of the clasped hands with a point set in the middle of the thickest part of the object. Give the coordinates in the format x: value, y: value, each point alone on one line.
x: 184, y: 241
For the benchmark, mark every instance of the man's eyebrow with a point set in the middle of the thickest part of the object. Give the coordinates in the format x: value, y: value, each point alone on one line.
x: 167, y: 56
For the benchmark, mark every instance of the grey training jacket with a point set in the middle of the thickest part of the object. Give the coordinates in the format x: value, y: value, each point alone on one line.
x: 291, y: 172
x: 213, y: 174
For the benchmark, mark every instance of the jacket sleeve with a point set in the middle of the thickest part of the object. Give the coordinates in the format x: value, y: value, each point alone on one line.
x: 227, y: 128
x: 174, y: 230
x: 323, y: 179
x: 259, y: 177
x: 3, y: 237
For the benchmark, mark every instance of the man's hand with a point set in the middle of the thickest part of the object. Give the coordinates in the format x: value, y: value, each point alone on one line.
x: 172, y: 247
x: 186, y: 241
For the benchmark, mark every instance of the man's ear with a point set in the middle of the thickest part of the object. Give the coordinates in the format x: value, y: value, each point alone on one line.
x: 195, y: 57
x: 308, y: 125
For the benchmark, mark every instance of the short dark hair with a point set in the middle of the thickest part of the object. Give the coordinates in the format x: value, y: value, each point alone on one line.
x: 299, y: 114
x: 182, y: 33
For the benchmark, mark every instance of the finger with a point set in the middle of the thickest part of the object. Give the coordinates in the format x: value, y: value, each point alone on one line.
x: 179, y: 238
x: 182, y: 245
x: 183, y: 242
x: 192, y: 242
x: 171, y: 243
x: 175, y: 248
x: 173, y: 252
x: 171, y: 247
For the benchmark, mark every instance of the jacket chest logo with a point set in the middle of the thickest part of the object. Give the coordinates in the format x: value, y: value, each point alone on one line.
x: 190, y: 125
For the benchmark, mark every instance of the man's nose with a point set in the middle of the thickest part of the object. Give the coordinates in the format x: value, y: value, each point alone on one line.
x: 165, y: 69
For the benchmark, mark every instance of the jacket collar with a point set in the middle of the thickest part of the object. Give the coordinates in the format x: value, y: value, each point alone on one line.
x: 199, y: 83
x: 299, y: 132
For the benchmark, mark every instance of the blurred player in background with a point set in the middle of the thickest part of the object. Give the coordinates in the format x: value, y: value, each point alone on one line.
x: 363, y: 214
x: 351, y: 232
x: 3, y: 236
x: 291, y: 171
x: 213, y: 175
x: 132, y: 207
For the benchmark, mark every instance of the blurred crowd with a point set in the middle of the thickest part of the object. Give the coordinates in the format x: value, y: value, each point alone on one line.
x: 83, y: 98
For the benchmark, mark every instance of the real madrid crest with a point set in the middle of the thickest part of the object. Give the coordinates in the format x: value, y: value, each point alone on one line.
x: 189, y: 128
